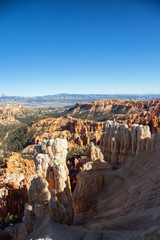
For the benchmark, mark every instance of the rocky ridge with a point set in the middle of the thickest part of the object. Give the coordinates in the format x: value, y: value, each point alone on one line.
x: 123, y: 111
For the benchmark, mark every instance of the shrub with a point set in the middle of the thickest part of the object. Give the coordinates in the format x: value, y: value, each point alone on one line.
x: 19, y: 139
x: 81, y: 151
x: 10, y: 219
x: 1, y: 160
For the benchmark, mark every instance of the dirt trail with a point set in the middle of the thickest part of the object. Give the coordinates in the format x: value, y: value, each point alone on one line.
x: 5, y: 137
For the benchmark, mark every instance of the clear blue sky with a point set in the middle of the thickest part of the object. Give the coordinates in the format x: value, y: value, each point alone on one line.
x: 79, y: 46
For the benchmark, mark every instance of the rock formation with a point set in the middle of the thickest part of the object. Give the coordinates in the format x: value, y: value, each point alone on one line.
x: 49, y: 194
x: 123, y: 111
x: 108, y: 203
x: 94, y: 176
x: 76, y: 131
x: 76, y: 163
x: 119, y: 143
x: 8, y: 113
x: 126, y: 207
x: 16, y: 175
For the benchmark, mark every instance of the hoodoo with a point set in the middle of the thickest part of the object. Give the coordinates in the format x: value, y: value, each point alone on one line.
x: 107, y: 203
x: 119, y: 143
x: 49, y: 194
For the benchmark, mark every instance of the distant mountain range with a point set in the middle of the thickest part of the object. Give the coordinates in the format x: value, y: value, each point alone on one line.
x: 65, y: 100
x: 3, y: 95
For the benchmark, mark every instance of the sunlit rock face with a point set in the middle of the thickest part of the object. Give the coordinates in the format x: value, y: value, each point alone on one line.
x: 49, y: 194
x: 78, y: 132
x: 119, y: 143
x: 124, y: 111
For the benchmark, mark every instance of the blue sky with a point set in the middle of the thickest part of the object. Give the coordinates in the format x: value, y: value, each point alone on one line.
x: 79, y: 46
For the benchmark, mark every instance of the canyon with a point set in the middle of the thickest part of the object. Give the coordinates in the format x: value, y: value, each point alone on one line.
x: 76, y: 131
x: 72, y: 123
x: 123, y: 111
x: 111, y: 192
x: 81, y: 132
x: 106, y: 203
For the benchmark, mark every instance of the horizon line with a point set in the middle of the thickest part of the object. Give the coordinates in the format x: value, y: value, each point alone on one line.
x: 96, y: 94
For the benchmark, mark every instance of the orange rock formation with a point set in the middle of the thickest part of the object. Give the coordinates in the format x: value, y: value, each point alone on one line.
x: 16, y: 175
x: 76, y: 131
x: 124, y: 111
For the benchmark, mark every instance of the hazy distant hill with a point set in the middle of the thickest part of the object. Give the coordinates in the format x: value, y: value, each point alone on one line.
x: 64, y: 100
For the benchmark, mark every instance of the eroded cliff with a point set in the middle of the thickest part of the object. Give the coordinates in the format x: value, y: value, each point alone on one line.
x: 120, y: 143
x: 124, y: 111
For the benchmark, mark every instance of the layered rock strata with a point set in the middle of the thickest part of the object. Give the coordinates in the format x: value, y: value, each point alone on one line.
x: 119, y: 143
